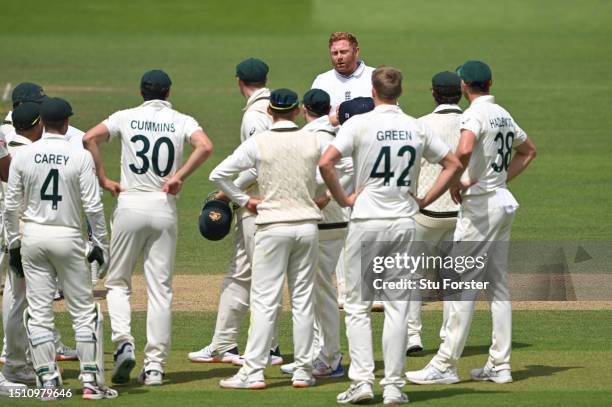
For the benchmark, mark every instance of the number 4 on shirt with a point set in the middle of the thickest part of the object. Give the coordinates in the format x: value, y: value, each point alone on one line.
x: 54, y: 197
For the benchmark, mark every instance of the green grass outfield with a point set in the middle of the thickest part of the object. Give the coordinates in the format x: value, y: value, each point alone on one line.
x: 560, y: 358
x: 551, y: 64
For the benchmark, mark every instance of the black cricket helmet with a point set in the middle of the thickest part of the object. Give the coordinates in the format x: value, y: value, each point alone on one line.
x: 216, y: 218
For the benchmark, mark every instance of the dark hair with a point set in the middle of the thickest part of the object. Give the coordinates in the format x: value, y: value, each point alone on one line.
x: 261, y: 84
x: 153, y: 93
x: 283, y: 115
x: 479, y: 87
x: 54, y: 125
x: 446, y: 99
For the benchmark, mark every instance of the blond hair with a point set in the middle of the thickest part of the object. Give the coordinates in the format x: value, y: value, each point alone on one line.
x: 343, y: 35
x: 387, y: 81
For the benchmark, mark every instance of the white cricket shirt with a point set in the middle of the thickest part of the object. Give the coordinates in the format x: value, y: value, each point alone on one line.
x: 152, y: 139
x: 342, y: 88
x: 496, y: 134
x: 54, y: 180
x: 387, y: 145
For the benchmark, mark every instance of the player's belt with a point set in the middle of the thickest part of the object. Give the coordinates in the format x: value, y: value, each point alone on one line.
x: 328, y: 226
x: 285, y: 129
x: 440, y: 215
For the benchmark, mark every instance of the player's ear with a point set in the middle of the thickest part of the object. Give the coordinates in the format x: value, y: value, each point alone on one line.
x: 357, y: 52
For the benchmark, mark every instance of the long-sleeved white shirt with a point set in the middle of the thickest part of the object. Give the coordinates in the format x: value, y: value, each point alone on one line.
x: 52, y: 180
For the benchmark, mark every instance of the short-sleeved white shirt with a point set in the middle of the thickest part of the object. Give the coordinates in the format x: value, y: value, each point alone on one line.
x: 342, y: 88
x: 152, y: 139
x: 496, y: 134
x: 387, y: 146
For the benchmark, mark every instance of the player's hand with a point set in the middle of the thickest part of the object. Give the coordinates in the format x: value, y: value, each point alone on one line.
x: 322, y: 201
x: 15, y: 260
x: 172, y: 186
x: 457, y: 189
x: 252, y: 204
x: 352, y: 198
x: 420, y: 202
x: 222, y: 197
x: 99, y: 254
x: 113, y: 187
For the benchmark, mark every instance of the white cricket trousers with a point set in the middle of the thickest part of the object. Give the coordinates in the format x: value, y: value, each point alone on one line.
x: 434, y: 233
x: 481, y: 218
x: 357, y: 311
x: 236, y: 289
x: 327, y: 315
x: 151, y: 233
x: 291, y: 250
x: 50, y: 253
x: 14, y: 302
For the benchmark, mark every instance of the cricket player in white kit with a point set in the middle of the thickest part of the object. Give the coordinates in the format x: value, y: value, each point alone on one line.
x: 252, y: 74
x: 386, y: 146
x: 53, y: 180
x: 285, y: 159
x: 144, y: 222
x: 489, y: 135
x: 349, y: 78
x: 26, y: 92
x: 435, y: 224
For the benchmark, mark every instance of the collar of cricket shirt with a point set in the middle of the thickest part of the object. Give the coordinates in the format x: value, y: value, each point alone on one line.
x: 484, y: 99
x: 260, y: 94
x: 19, y: 140
x: 356, y: 73
x: 284, y: 125
x: 321, y: 124
x: 387, y: 108
x: 54, y: 135
x: 446, y: 108
x: 157, y: 103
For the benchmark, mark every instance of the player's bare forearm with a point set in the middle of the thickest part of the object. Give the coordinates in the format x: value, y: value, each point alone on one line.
x: 524, y: 155
x: 449, y: 175
x: 327, y: 165
x: 5, y: 163
x: 202, y: 149
x: 91, y: 141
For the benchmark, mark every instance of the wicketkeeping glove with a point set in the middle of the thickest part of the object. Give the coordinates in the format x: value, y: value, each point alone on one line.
x: 15, y: 260
x: 94, y: 252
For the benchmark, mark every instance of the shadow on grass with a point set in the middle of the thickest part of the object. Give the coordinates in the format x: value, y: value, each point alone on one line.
x: 188, y: 376
x: 532, y: 371
x: 445, y: 393
x: 469, y: 350
x: 133, y: 387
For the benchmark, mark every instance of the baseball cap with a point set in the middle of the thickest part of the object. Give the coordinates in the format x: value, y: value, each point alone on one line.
x: 28, y: 92
x: 155, y: 80
x: 283, y: 100
x: 26, y: 115
x: 474, y: 71
x: 446, y: 83
x: 354, y: 107
x: 317, y: 101
x: 55, y: 110
x: 252, y: 70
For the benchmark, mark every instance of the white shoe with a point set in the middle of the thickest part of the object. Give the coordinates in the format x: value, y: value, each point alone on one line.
x: 209, y: 355
x: 151, y: 377
x: 322, y: 369
x: 63, y: 353
x: 50, y: 390
x: 357, y: 393
x: 92, y: 391
x: 24, y: 374
x: 276, y: 359
x: 303, y: 382
x: 125, y: 361
x: 491, y: 375
x: 6, y: 386
x: 431, y: 375
x: 288, y: 368
x: 239, y: 381
x: 393, y: 395
x: 414, y: 345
